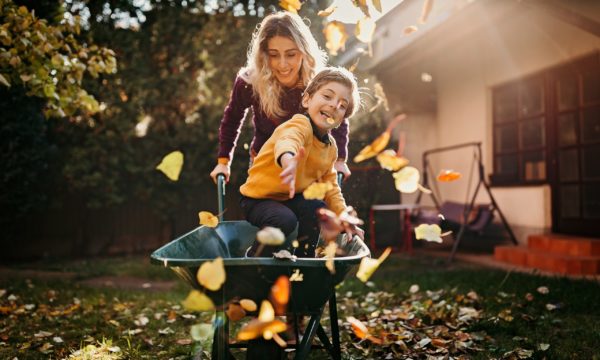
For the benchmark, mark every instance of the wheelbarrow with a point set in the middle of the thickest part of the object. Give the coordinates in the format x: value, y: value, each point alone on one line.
x: 252, y: 278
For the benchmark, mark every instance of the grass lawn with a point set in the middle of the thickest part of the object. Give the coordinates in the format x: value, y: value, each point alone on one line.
x: 458, y: 309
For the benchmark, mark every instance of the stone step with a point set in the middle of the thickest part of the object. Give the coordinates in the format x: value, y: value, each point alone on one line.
x: 564, y: 245
x: 548, y: 261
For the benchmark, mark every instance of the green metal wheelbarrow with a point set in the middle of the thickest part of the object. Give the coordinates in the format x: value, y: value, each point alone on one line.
x: 252, y: 278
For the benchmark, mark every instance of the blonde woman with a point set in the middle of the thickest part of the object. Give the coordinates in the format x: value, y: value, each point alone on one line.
x: 282, y: 58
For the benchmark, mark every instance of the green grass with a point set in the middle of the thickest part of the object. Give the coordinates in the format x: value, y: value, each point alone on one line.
x: 81, y: 315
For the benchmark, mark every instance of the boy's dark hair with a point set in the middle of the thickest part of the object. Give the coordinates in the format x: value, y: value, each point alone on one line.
x: 341, y: 76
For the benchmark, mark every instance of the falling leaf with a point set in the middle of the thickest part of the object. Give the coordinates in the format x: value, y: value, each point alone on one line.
x: 410, y: 29
x: 361, y: 331
x: 365, y: 29
x: 543, y: 347
x: 407, y: 179
x: 362, y: 5
x: 448, y: 175
x: 270, y: 236
x: 328, y: 11
x: 427, y: 6
x: 297, y: 276
x: 335, y: 36
x: 290, y: 5
x: 198, y: 301
x: 201, y: 332
x: 211, y: 274
x: 381, y: 97
x: 280, y: 294
x: 377, y: 145
x: 543, y: 290
x: 377, y: 5
x: 330, y: 251
x: 208, y: 219
x: 428, y: 232
x: 235, y: 312
x: 4, y: 81
x: 389, y: 160
x: 265, y: 325
x: 368, y: 266
x: 171, y: 165
x: 248, y: 305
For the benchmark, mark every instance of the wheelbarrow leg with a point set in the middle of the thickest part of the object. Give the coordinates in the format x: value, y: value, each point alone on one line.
x: 335, y: 331
x: 220, y: 346
x: 307, y: 339
x: 325, y: 340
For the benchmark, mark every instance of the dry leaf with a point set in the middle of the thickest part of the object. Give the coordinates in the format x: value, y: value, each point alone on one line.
x: 389, y: 160
x: 335, y: 36
x: 201, y: 332
x: 368, y: 266
x: 211, y: 274
x: 330, y: 251
x: 377, y: 5
x: 362, y: 5
x: 297, y: 276
x: 290, y: 5
x: 377, y: 145
x: 208, y: 219
x: 407, y: 179
x: 427, y: 6
x: 427, y: 232
x: 270, y: 236
x: 328, y: 11
x: 317, y: 190
x: 365, y: 29
x: 171, y: 165
x: 361, y: 331
x: 410, y: 29
x: 280, y: 294
x: 198, y: 301
x: 284, y: 254
x: 248, y: 305
x: 448, y: 175
x: 235, y: 312
x: 381, y: 98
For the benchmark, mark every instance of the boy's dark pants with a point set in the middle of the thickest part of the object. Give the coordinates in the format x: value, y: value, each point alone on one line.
x: 285, y: 215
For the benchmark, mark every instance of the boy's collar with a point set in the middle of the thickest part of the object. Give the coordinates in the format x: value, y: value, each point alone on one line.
x: 322, y: 138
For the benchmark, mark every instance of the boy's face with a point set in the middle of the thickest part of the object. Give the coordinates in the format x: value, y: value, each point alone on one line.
x: 328, y: 105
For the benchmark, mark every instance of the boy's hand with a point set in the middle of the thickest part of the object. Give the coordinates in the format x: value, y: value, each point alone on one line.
x: 289, y: 164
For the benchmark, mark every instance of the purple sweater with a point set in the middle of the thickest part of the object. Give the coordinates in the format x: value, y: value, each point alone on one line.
x: 242, y: 98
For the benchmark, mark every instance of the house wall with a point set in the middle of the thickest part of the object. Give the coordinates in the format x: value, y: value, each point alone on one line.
x: 520, y: 45
x: 494, y: 43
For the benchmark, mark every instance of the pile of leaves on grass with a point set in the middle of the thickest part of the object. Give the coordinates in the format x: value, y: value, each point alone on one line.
x: 62, y: 322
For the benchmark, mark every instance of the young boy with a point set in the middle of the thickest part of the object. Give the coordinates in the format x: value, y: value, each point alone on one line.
x: 301, y: 151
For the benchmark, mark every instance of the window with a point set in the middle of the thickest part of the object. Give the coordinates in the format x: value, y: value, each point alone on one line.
x: 519, y: 118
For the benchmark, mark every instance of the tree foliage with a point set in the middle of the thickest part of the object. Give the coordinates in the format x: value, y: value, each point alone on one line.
x: 49, y: 61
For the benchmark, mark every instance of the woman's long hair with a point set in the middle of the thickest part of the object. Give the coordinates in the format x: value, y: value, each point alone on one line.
x: 257, y: 73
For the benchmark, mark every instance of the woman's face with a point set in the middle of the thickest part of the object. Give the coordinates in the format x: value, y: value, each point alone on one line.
x: 285, y: 60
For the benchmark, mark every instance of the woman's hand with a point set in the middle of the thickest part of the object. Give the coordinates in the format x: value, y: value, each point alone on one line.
x: 341, y: 166
x: 220, y: 169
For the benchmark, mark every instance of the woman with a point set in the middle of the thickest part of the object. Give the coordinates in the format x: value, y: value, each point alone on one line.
x: 282, y: 58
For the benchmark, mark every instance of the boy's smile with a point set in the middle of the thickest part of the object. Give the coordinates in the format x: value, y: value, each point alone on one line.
x: 327, y: 106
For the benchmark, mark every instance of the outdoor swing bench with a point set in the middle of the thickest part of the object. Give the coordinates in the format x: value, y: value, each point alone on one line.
x: 252, y: 278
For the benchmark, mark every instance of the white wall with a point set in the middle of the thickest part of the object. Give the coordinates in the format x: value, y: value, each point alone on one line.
x: 464, y: 73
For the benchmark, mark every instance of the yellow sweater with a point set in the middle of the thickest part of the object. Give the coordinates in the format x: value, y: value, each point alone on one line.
x: 263, y: 177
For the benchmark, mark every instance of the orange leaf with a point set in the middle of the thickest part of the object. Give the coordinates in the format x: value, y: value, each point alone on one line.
x: 248, y: 305
x: 448, y: 175
x: 235, y: 312
x: 208, y: 219
x: 335, y: 36
x: 291, y: 5
x: 389, y: 160
x: 328, y: 11
x: 280, y: 294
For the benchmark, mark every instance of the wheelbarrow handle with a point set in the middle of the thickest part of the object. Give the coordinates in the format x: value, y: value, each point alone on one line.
x: 221, y: 194
x: 340, y: 178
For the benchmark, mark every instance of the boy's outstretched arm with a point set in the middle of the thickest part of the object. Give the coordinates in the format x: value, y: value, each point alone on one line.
x: 289, y: 164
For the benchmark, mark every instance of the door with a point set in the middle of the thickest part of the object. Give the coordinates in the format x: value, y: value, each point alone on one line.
x: 575, y: 149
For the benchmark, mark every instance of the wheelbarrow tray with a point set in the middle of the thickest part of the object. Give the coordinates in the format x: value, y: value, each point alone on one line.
x: 252, y: 278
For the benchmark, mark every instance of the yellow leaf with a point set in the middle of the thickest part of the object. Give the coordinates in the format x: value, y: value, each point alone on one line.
x: 171, y: 165
x: 374, y: 148
x: 335, y: 36
x: 208, y: 219
x: 198, y: 301
x: 211, y: 274
x: 427, y: 232
x: 362, y: 5
x: 377, y: 5
x: 248, y: 305
x: 317, y: 190
x: 290, y: 5
x: 266, y: 313
x: 297, y: 276
x: 270, y: 236
x: 389, y: 160
x: 328, y: 11
x: 330, y: 251
x: 365, y: 29
x: 407, y: 179
x: 409, y: 30
x: 368, y: 266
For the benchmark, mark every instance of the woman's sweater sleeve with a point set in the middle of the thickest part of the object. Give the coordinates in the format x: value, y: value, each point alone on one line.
x: 233, y: 117
x: 341, y: 139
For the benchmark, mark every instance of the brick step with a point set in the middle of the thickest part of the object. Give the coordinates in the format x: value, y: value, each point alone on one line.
x: 564, y: 245
x: 555, y: 263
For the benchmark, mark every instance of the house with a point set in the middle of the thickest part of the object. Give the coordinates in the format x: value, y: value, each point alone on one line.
x: 520, y: 76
